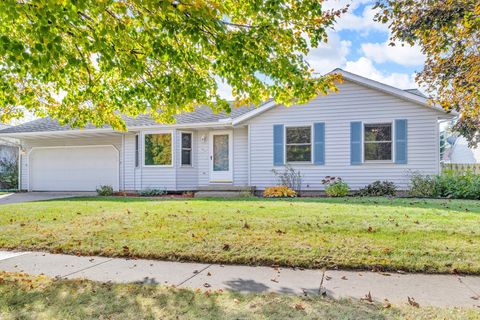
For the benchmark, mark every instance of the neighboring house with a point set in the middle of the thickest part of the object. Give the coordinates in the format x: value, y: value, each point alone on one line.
x: 459, y: 151
x: 367, y: 131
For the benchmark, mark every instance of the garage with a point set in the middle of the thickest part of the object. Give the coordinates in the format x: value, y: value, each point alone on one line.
x: 73, y: 168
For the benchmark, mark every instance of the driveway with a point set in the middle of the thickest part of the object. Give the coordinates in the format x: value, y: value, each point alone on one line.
x: 39, y: 196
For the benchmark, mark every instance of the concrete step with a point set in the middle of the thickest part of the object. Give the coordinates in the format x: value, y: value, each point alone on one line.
x: 222, y: 194
x: 226, y: 187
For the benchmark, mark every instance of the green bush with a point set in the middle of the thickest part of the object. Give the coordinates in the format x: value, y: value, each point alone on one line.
x: 456, y: 185
x: 105, y: 191
x: 9, y: 174
x: 378, y: 189
x: 152, y: 193
x: 459, y: 185
x: 335, y: 186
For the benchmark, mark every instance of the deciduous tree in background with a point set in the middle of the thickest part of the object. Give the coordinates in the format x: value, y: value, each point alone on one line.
x: 448, y: 32
x: 86, y: 61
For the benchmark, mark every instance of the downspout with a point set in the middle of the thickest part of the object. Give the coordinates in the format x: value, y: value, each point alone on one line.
x: 248, y: 155
x: 19, y: 183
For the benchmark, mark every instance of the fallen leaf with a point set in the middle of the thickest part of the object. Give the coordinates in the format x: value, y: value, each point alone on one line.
x: 412, y: 302
x: 206, y: 285
x: 386, y: 304
x: 298, y: 306
x: 368, y: 297
x: 274, y: 280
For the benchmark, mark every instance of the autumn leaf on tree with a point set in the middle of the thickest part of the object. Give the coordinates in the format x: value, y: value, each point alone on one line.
x: 93, y: 61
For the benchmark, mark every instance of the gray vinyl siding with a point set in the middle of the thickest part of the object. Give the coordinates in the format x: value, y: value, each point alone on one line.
x: 187, y: 176
x: 28, y: 144
x: 352, y: 103
x: 240, y: 156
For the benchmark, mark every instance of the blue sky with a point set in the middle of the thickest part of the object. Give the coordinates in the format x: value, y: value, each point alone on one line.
x: 360, y: 45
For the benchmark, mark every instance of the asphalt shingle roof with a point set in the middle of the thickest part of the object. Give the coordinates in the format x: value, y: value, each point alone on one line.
x: 200, y: 115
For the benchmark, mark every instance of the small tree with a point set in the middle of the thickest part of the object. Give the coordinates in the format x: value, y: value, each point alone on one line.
x: 9, y: 173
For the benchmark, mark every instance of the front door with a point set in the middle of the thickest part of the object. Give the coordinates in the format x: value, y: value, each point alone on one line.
x: 221, y: 146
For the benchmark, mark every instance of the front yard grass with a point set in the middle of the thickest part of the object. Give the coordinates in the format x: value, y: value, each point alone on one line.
x: 28, y: 297
x: 416, y: 235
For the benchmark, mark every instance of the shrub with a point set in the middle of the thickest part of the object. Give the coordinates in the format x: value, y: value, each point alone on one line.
x: 463, y: 185
x: 335, y: 186
x: 378, y: 189
x: 152, y: 192
x: 423, y: 186
x: 9, y: 173
x: 279, y: 192
x: 290, y: 178
x: 105, y: 191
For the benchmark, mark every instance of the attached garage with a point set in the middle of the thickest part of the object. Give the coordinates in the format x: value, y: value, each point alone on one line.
x: 76, y: 168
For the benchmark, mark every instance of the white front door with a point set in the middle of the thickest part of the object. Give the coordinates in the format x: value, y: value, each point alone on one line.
x: 221, y: 162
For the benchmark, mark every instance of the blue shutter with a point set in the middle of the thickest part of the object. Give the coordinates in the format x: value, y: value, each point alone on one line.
x: 319, y: 143
x: 355, y: 143
x: 401, y: 141
x: 278, y: 145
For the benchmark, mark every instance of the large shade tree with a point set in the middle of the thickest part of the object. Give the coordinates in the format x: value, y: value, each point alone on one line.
x: 86, y: 61
x: 448, y: 32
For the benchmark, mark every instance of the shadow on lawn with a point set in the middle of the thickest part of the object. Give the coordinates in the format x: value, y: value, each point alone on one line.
x: 472, y: 206
x: 85, y: 299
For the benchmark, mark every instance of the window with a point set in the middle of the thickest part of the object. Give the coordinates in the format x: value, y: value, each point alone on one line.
x: 158, y: 149
x: 378, y: 142
x: 137, y: 153
x: 186, y: 149
x: 299, y: 144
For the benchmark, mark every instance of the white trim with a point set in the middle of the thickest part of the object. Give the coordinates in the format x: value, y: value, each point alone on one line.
x: 191, y: 149
x: 249, y: 168
x: 110, y: 130
x: 392, y: 124
x: 285, y: 143
x: 387, y: 89
x: 171, y: 165
x: 230, y: 155
x: 66, y: 147
x: 255, y: 112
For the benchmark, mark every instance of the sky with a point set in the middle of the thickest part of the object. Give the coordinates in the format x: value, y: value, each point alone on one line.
x: 360, y: 45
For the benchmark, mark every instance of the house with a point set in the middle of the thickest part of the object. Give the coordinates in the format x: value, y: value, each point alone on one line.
x: 458, y: 151
x: 365, y: 132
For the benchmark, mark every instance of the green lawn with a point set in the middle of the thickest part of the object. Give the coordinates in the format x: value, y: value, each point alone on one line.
x: 28, y: 297
x: 360, y: 233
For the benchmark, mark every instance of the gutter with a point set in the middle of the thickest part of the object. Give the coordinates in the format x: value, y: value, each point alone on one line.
x: 223, y: 123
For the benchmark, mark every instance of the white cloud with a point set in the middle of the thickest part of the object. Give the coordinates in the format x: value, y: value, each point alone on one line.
x: 364, y: 67
x: 362, y: 23
x: 404, y: 55
x: 330, y: 55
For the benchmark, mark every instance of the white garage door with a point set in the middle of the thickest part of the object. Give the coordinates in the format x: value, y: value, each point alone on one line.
x: 73, y: 168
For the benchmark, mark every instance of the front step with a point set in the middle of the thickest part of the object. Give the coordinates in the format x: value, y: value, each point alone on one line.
x: 224, y: 191
x: 226, y: 187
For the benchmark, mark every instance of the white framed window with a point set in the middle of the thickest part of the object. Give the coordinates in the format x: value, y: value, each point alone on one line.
x: 158, y: 149
x: 298, y: 144
x: 137, y: 151
x: 378, y: 142
x: 186, y: 148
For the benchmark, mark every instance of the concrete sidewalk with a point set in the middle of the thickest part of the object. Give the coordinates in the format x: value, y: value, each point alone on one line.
x: 435, y: 290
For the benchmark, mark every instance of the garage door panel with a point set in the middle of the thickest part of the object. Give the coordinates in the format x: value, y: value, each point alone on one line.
x: 73, y: 168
